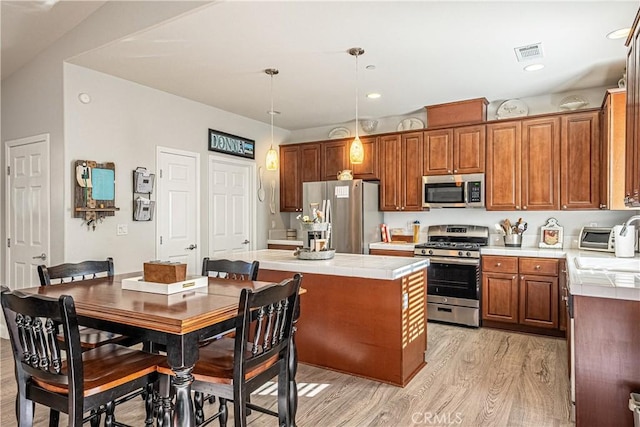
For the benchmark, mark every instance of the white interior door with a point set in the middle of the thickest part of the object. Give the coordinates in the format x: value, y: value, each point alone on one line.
x: 178, y: 208
x: 231, y: 209
x: 27, y: 209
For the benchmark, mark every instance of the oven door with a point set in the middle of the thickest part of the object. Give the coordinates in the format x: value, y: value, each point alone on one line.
x: 454, y: 277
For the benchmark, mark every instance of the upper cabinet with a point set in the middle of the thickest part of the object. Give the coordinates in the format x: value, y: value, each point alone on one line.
x: 370, y: 168
x: 632, y: 180
x: 298, y: 163
x: 459, y: 150
x: 504, y: 172
x: 335, y: 158
x: 612, y: 151
x: 541, y: 164
x: 580, y: 161
x: 401, y: 171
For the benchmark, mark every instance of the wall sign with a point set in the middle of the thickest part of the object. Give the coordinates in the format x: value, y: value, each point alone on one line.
x: 231, y: 144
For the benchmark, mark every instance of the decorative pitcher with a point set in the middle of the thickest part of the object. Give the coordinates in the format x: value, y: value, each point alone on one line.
x: 345, y: 175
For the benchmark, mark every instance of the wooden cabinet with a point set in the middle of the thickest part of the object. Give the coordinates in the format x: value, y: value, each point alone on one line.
x: 401, y: 171
x: 612, y: 150
x: 580, y: 161
x: 370, y: 168
x: 545, y: 163
x: 391, y: 252
x: 459, y: 150
x: 335, y: 158
x: 632, y: 180
x: 521, y: 292
x: 298, y: 163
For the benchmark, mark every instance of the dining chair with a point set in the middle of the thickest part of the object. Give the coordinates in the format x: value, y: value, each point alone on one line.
x: 69, y: 380
x: 232, y: 368
x: 235, y: 270
x: 71, y: 272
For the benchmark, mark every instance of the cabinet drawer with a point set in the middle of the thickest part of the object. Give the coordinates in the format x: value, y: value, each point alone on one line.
x: 545, y: 266
x: 500, y: 264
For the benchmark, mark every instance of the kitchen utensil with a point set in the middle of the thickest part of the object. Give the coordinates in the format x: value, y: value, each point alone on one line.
x: 260, y: 188
x: 499, y: 229
x: 513, y: 240
x: 272, y: 202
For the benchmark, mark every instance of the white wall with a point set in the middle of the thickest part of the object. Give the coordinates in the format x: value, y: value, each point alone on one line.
x: 124, y: 123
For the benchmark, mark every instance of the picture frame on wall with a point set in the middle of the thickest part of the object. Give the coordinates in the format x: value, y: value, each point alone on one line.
x: 551, y: 235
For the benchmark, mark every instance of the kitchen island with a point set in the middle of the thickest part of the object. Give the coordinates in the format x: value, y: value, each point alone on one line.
x: 363, y: 315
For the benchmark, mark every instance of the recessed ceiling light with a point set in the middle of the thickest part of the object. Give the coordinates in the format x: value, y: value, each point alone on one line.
x: 373, y: 95
x: 370, y: 67
x: 534, y: 67
x: 619, y: 34
x: 273, y: 112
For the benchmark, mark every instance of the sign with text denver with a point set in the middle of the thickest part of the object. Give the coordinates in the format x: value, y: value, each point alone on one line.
x: 231, y: 144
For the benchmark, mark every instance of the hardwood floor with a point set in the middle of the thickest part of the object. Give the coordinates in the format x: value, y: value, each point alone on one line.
x: 474, y: 377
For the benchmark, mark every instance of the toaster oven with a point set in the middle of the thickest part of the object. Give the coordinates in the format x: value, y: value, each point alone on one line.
x: 596, y: 239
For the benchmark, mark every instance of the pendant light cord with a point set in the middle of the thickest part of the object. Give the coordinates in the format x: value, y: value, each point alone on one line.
x: 271, y: 111
x: 357, y: 94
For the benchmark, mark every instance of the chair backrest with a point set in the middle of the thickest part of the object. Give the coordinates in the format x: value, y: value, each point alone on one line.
x: 264, y: 325
x: 235, y: 270
x: 69, y: 272
x: 31, y: 321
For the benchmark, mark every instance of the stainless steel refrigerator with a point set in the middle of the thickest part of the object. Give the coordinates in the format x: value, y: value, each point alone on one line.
x: 355, y: 216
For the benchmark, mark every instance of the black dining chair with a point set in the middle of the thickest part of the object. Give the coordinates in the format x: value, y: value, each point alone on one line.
x: 231, y: 368
x: 69, y: 380
x: 235, y: 270
x: 70, y: 272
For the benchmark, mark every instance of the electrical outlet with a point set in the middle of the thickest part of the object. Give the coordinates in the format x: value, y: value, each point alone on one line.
x: 123, y: 229
x: 273, y: 224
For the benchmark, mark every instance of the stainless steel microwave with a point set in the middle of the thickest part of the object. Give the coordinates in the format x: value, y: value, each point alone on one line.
x: 453, y: 191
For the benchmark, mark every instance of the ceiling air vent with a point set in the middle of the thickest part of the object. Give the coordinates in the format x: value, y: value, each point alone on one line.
x: 526, y: 53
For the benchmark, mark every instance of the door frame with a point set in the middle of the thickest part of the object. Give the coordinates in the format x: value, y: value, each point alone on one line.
x: 252, y: 205
x: 46, y: 138
x: 159, y: 151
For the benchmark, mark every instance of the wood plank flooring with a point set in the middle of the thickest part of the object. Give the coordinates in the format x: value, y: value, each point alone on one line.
x: 474, y: 377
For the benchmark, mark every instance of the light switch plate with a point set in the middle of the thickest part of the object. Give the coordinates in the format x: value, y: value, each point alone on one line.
x: 123, y: 229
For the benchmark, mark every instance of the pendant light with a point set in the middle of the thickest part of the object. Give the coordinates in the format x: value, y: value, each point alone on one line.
x: 356, y: 151
x: 272, y: 154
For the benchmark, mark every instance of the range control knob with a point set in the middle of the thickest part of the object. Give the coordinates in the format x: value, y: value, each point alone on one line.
x: 460, y: 253
x: 468, y: 253
x: 430, y: 251
x: 424, y: 252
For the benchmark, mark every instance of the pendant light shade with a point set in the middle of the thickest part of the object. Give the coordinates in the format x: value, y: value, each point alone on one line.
x: 356, y: 151
x: 272, y: 162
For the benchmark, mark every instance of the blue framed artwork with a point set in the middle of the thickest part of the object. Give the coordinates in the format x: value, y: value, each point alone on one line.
x: 234, y: 145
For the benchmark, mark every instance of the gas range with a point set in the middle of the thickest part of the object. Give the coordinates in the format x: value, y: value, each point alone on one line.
x: 456, y: 241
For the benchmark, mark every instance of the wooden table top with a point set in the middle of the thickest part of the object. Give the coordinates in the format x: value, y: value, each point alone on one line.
x: 180, y: 313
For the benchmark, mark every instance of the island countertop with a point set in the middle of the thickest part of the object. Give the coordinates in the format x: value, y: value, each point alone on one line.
x: 351, y: 265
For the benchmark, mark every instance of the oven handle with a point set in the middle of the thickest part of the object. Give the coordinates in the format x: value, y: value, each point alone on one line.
x: 445, y: 260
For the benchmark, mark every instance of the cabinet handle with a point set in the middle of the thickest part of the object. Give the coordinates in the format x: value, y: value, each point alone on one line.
x: 537, y: 267
x: 402, y: 208
x: 564, y: 206
x: 522, y: 277
x: 517, y: 207
x: 397, y: 208
x: 455, y: 171
x: 514, y: 276
x: 448, y: 170
x: 524, y: 207
x: 498, y: 264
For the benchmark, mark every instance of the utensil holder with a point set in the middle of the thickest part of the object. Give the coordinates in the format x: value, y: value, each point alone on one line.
x: 513, y: 240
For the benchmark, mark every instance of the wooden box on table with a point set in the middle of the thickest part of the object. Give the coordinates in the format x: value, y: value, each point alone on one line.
x: 164, y: 272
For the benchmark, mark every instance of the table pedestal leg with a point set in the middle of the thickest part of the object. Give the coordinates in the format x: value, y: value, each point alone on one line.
x: 183, y: 414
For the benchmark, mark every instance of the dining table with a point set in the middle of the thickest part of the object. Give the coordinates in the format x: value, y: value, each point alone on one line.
x: 177, y: 322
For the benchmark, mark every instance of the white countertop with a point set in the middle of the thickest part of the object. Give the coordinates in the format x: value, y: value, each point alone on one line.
x: 353, y: 265
x: 396, y: 246
x: 294, y: 243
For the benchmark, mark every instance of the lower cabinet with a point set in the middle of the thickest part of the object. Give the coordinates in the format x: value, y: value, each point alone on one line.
x: 391, y: 252
x: 521, y: 293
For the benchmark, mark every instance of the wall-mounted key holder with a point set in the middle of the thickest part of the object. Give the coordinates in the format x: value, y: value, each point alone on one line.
x: 94, y: 191
x: 143, y: 206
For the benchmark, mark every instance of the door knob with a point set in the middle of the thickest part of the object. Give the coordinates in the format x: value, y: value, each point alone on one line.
x: 246, y: 242
x: 42, y: 256
x: 191, y: 247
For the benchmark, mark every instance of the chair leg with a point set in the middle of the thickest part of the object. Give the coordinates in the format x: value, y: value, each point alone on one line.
x: 224, y: 412
x: 239, y: 408
x: 24, y: 409
x: 149, y: 404
x: 96, y: 416
x: 164, y: 391
x: 109, y: 418
x: 284, y: 391
x: 198, y: 403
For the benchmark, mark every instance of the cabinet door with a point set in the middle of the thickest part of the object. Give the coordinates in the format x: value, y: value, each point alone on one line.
x: 411, y: 190
x: 563, y: 297
x: 369, y: 169
x: 290, y: 181
x: 335, y: 158
x: 503, y: 166
x: 541, y: 164
x: 469, y: 149
x: 539, y: 301
x: 310, y: 157
x: 500, y: 297
x: 580, y: 161
x: 438, y: 152
x: 390, y: 174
